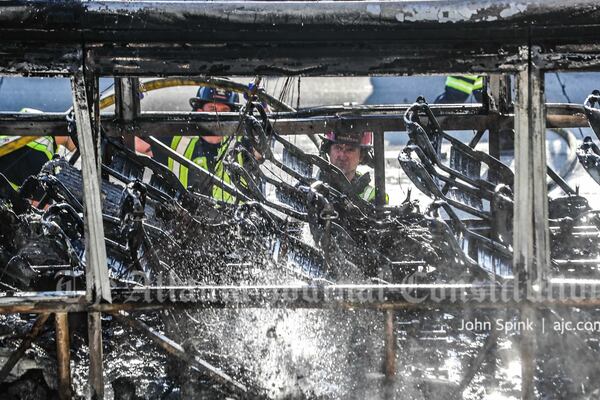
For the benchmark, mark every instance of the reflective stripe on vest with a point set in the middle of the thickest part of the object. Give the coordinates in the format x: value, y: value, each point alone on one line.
x: 45, y: 144
x: 183, y: 145
x: 465, y: 83
x: 186, y: 145
x: 369, y: 195
x: 217, y: 192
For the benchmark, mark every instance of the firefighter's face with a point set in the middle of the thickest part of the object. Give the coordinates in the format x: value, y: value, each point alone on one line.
x: 214, y: 107
x: 346, y: 157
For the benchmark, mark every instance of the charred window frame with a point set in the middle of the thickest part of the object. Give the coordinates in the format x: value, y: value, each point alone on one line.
x: 85, y: 40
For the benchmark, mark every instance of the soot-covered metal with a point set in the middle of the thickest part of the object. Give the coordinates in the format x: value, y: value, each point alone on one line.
x: 229, y: 38
x: 269, y: 293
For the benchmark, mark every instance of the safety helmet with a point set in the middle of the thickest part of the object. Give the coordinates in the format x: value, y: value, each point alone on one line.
x: 217, y: 95
x: 363, y: 140
x: 342, y: 130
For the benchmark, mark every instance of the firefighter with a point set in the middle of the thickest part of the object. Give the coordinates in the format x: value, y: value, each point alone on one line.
x: 206, y: 151
x: 346, y: 151
x: 28, y: 160
x: 459, y: 87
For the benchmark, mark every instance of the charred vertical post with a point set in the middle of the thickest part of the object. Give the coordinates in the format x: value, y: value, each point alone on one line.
x: 540, y: 190
x: 505, y: 103
x: 390, y: 348
x: 63, y: 355
x: 498, y: 99
x: 96, y: 378
x: 531, y: 232
x: 523, y: 211
x: 390, y: 345
x: 494, y: 95
x: 97, y: 283
x: 389, y: 333
x: 523, y: 221
x: 127, y: 106
x: 98, y: 286
x: 379, y: 151
x: 92, y: 87
x: 500, y: 94
x: 93, y: 96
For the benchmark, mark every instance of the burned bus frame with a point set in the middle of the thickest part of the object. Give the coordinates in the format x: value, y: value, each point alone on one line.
x: 84, y: 40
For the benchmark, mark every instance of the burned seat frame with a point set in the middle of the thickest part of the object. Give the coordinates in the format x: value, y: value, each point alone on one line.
x: 85, y: 40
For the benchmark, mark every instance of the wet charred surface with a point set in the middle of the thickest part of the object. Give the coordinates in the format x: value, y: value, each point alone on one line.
x: 292, y: 354
x: 160, y: 234
x: 284, y: 353
x: 275, y: 353
x: 279, y: 353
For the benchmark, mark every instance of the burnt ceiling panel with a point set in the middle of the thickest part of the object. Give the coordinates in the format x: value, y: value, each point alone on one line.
x: 337, y: 38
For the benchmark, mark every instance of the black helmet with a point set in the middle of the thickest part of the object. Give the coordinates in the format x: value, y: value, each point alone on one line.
x: 362, y: 140
x: 217, y: 95
x: 341, y: 132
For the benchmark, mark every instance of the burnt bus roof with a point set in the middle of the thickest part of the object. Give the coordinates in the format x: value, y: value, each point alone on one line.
x: 287, y: 38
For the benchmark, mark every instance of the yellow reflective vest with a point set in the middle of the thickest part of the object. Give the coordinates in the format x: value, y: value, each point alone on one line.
x: 368, y: 192
x: 20, y: 163
x: 465, y: 83
x: 207, y: 156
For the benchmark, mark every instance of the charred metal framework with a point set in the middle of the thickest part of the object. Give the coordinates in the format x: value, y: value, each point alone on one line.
x: 88, y: 39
